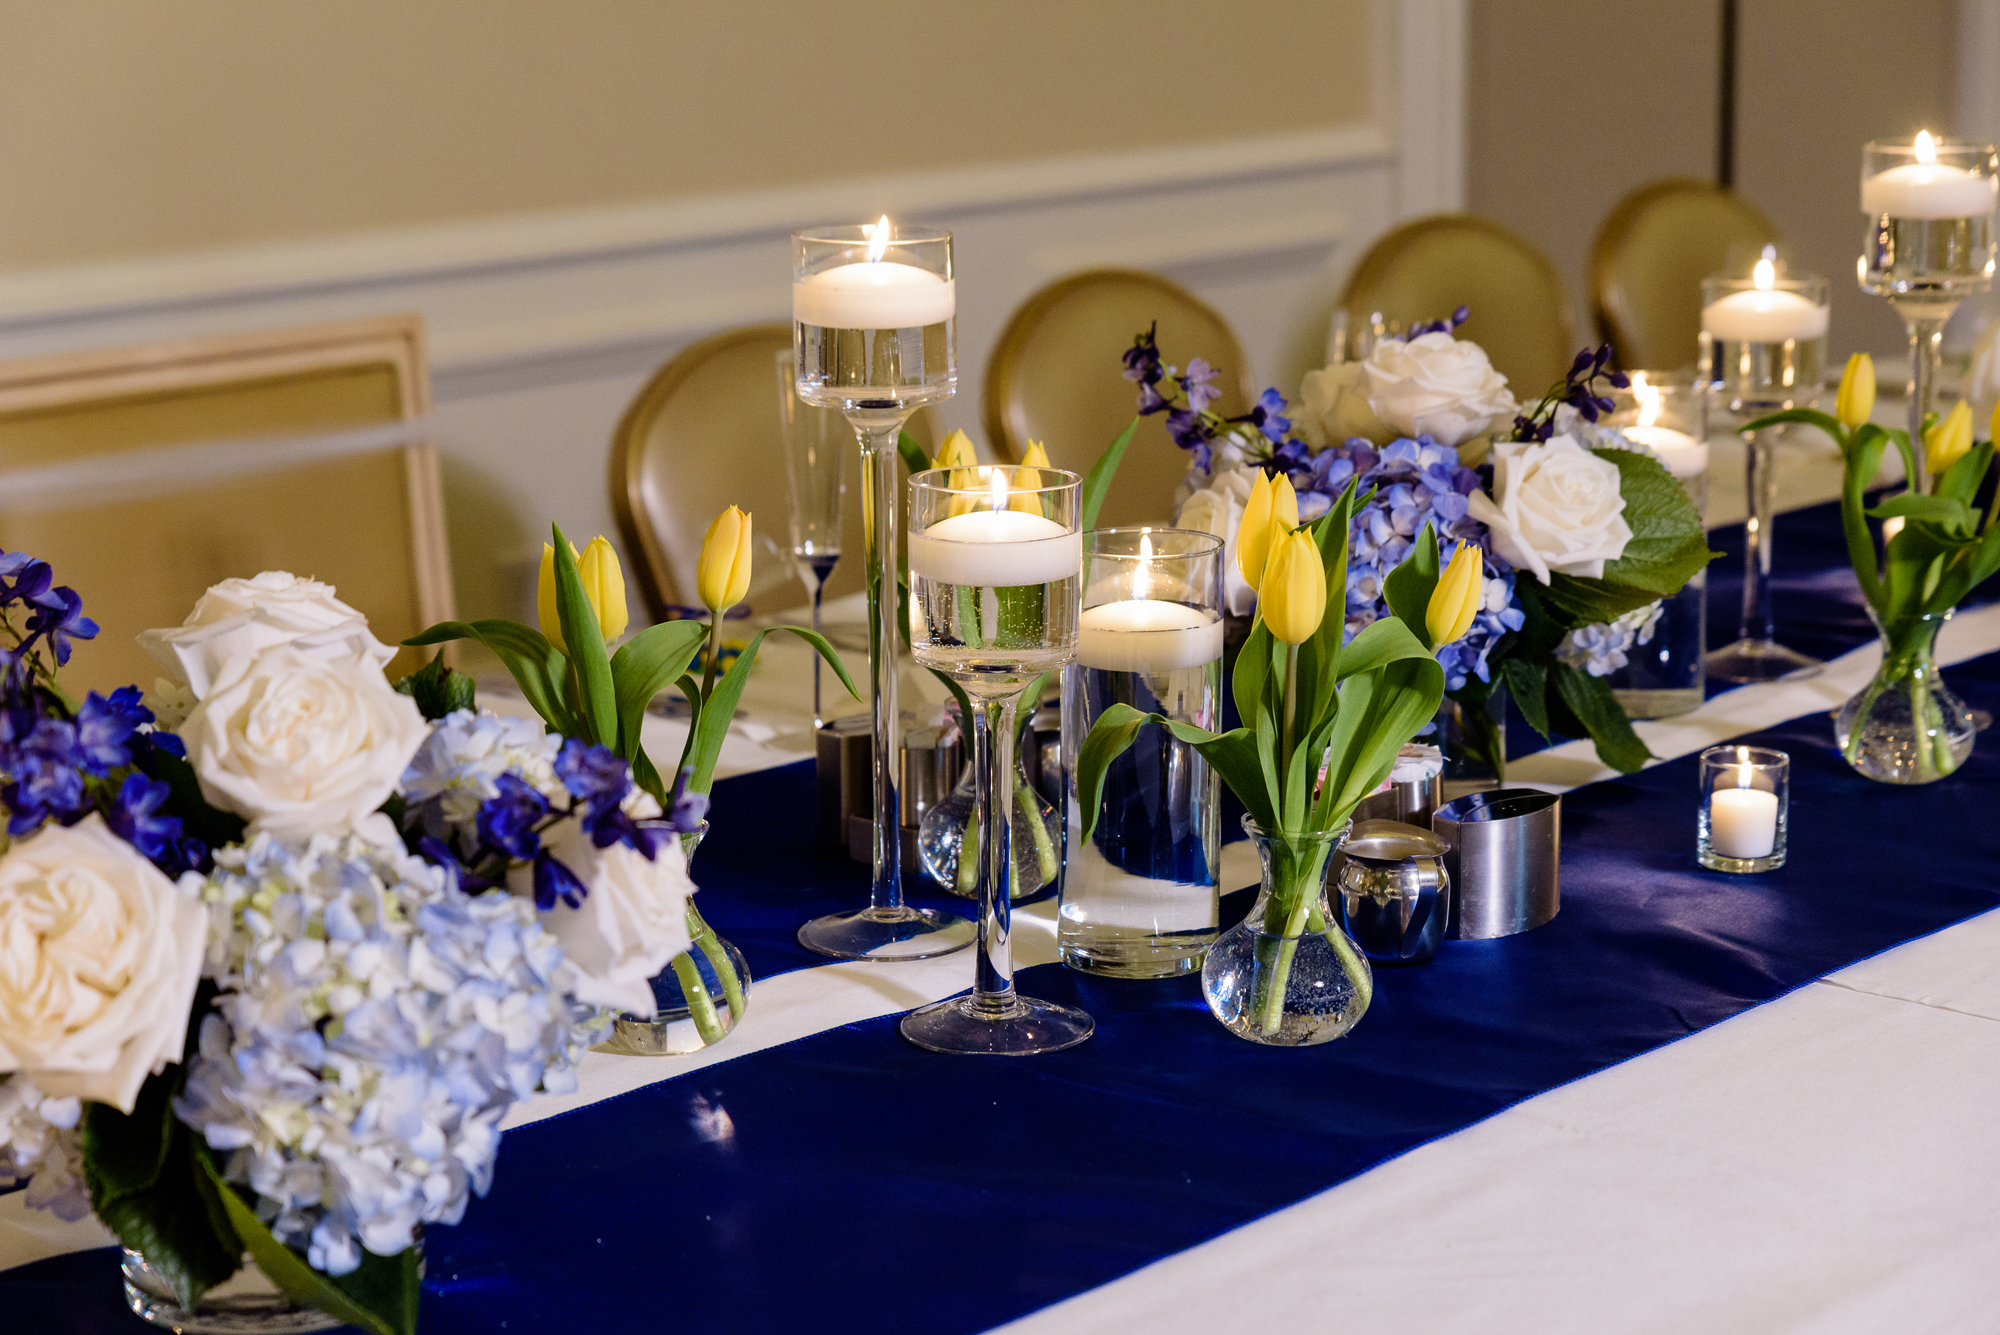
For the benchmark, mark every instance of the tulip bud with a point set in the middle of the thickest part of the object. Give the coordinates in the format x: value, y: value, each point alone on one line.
x: 1949, y: 440
x: 1036, y: 456
x: 956, y: 452
x: 1031, y: 502
x: 1993, y: 424
x: 1271, y: 512
x: 603, y: 584
x: 722, y: 576
x: 1857, y: 391
x: 1457, y: 596
x: 1293, y: 597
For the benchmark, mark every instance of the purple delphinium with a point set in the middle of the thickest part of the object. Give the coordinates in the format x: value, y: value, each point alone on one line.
x: 1578, y: 390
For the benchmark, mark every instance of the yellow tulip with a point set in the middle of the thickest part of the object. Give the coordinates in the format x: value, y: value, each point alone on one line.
x: 1993, y: 424
x: 1293, y: 598
x: 956, y: 452
x: 1271, y: 512
x: 1456, y: 597
x: 722, y: 576
x: 1948, y: 441
x: 1030, y: 502
x: 1857, y: 391
x: 603, y: 584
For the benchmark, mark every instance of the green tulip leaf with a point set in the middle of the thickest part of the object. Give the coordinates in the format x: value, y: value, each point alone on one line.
x: 538, y: 667
x: 913, y: 456
x: 597, y: 699
x: 1097, y: 482
x: 1603, y: 718
x: 1408, y: 588
x: 645, y: 665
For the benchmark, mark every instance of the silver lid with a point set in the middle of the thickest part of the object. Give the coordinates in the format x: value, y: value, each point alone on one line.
x: 1391, y: 841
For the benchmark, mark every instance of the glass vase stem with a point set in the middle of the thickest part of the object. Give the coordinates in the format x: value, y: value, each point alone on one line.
x: 879, y: 507
x: 1926, y: 342
x: 1760, y: 491
x: 993, y: 768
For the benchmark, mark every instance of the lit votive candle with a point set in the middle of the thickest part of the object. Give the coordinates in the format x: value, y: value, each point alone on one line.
x: 997, y: 547
x: 1743, y: 814
x: 1927, y: 188
x: 1765, y: 313
x: 1147, y: 635
x: 875, y: 293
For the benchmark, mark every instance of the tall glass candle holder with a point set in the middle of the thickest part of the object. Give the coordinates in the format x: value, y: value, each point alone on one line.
x: 815, y: 449
x: 1763, y: 350
x: 1745, y: 808
x: 1928, y: 245
x: 1663, y: 672
x: 872, y: 336
x: 1141, y: 897
x: 995, y: 565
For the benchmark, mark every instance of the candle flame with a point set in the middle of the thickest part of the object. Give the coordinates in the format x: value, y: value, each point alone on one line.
x: 1765, y: 275
x: 878, y: 238
x: 1142, y: 578
x: 1926, y: 148
x: 996, y: 487
x: 1743, y: 779
x: 1648, y: 397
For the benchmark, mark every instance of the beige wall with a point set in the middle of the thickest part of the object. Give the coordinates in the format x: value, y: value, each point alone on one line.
x: 135, y: 127
x: 1574, y: 105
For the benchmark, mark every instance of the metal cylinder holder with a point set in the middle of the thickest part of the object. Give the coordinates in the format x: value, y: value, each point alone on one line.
x: 1393, y: 892
x: 1505, y: 847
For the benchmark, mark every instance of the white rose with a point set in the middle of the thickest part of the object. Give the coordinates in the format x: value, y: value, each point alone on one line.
x: 99, y: 956
x: 1218, y: 509
x: 1559, y: 508
x: 1436, y: 385
x: 296, y: 743
x: 1333, y: 407
x: 248, y: 616
x: 629, y: 926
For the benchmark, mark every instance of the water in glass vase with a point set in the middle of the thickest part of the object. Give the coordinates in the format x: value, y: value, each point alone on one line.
x: 1910, y: 260
x: 1756, y: 378
x: 864, y: 369
x: 997, y: 635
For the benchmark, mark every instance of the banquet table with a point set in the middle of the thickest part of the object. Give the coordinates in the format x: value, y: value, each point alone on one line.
x: 1692, y: 1101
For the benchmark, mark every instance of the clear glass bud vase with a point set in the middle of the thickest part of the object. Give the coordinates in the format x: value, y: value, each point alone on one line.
x: 699, y: 998
x: 247, y: 1303
x: 1906, y: 726
x: 1036, y: 845
x: 1287, y: 975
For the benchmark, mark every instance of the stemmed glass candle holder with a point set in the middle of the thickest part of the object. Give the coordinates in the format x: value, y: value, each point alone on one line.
x: 1663, y: 672
x: 816, y: 446
x: 1140, y: 899
x: 995, y: 563
x: 1745, y: 807
x: 1763, y: 349
x: 872, y: 336
x: 1928, y: 246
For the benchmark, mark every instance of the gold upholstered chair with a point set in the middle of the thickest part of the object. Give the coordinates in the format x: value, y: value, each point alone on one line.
x: 145, y: 474
x: 1054, y: 377
x: 1425, y: 270
x: 1650, y: 256
x: 704, y: 434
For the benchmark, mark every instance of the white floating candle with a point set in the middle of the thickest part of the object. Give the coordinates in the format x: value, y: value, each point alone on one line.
x: 1683, y: 455
x: 1763, y: 314
x: 876, y: 293
x: 1742, y: 821
x: 1147, y: 635
x: 1928, y: 188
x: 996, y: 548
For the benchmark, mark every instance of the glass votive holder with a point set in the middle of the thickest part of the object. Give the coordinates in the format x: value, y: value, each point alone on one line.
x: 1745, y: 797
x: 1929, y: 204
x: 1141, y: 897
x: 1763, y: 341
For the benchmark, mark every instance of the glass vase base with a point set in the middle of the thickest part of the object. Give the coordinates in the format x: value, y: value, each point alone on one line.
x: 887, y: 934
x: 1141, y: 959
x: 1717, y: 862
x: 247, y: 1303
x: 1760, y: 660
x: 1021, y: 1029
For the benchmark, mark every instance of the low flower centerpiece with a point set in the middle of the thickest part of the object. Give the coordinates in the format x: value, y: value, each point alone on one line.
x: 1906, y: 726
x: 1580, y: 531
x: 280, y: 944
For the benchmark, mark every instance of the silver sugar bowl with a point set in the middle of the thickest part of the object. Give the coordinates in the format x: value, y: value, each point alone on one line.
x: 1393, y: 895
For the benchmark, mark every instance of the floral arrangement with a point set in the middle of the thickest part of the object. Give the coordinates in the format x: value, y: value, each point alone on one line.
x: 280, y: 943
x: 1936, y: 548
x: 1580, y: 531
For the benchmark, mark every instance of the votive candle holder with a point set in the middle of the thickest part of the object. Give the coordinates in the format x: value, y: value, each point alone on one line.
x: 1745, y: 808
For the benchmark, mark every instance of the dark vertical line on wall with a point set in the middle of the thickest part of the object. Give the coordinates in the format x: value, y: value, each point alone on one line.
x: 1725, y: 105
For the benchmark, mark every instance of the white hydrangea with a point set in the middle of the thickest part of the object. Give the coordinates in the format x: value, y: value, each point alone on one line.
x: 1602, y: 649
x: 41, y: 1142
x: 460, y: 763
x: 374, y: 1026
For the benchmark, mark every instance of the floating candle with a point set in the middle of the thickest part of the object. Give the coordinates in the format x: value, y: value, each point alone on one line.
x: 876, y: 293
x: 1147, y: 635
x: 1683, y: 455
x: 1764, y: 314
x: 1742, y: 821
x: 997, y: 547
x: 1928, y: 188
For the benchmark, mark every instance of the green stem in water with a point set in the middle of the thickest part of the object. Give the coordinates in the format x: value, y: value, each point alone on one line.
x: 701, y: 1006
x: 1038, y: 832
x: 718, y: 959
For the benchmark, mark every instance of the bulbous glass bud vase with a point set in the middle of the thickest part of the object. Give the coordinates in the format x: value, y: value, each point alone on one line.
x: 1287, y: 975
x: 1906, y: 726
x: 699, y: 998
x: 1037, y: 840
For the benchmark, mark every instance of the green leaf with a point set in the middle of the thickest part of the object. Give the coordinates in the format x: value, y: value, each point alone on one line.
x: 1805, y: 416
x: 437, y: 690
x: 144, y: 1173
x: 383, y: 1303
x: 1380, y: 709
x: 597, y: 700
x: 913, y: 456
x: 1109, y: 738
x: 1255, y: 666
x: 1322, y: 655
x: 1031, y: 700
x: 1408, y: 588
x: 1379, y: 643
x: 1591, y: 700
x: 1667, y: 549
x: 644, y: 666
x: 1961, y: 481
x: 824, y: 648
x: 647, y: 777
x: 711, y: 725
x: 1097, y: 482
x: 537, y: 666
x: 1528, y: 682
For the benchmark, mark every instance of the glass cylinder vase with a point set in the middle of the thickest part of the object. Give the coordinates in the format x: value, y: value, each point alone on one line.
x: 1906, y: 726
x: 1287, y: 975
x: 1141, y: 896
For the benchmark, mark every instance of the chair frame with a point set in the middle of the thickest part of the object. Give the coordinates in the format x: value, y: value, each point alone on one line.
x: 1003, y: 368
x: 1607, y: 303
x: 1376, y: 259
x: 65, y: 378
